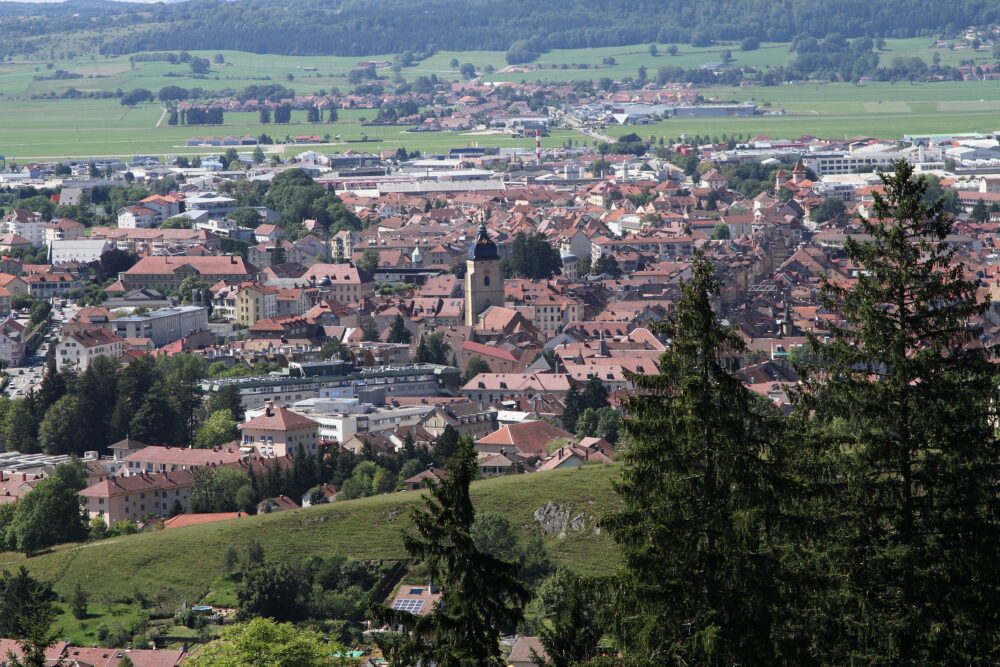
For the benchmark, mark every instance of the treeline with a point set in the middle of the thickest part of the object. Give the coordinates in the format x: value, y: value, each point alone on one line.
x: 155, y: 401
x: 202, y: 116
x: 354, y: 28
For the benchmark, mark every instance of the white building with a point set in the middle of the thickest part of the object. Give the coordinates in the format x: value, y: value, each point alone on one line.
x: 84, y: 251
x: 340, y: 419
x: 163, y: 326
x: 79, y: 348
x: 135, y: 217
x: 27, y: 224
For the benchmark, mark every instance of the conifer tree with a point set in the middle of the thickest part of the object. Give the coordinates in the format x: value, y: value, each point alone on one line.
x: 907, y: 492
x: 398, y: 333
x: 481, y: 596
x: 573, y: 635
x: 698, y: 489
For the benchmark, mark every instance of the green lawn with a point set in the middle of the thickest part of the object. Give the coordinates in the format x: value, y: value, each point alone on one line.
x: 171, y: 566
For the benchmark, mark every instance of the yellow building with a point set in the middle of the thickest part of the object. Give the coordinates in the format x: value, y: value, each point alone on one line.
x: 255, y: 302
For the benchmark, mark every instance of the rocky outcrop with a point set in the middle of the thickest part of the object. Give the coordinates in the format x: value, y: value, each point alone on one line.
x: 560, y: 520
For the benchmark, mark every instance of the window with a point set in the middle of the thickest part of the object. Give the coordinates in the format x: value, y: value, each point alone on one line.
x: 486, y: 281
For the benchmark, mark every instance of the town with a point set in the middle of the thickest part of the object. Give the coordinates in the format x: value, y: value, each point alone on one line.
x: 244, y: 380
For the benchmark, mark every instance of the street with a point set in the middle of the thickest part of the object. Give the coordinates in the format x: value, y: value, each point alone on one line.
x: 29, y: 375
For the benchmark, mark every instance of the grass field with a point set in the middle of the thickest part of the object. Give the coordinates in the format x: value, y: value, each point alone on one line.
x: 184, y: 564
x: 59, y: 129
x: 839, y: 110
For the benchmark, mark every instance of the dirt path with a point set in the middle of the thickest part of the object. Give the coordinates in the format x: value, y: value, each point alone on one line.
x: 162, y: 116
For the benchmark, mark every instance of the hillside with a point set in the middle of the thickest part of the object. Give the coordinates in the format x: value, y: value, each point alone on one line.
x: 356, y: 28
x: 180, y: 564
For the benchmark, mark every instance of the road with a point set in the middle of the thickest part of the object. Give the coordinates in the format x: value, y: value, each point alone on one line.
x: 29, y: 375
x: 574, y: 123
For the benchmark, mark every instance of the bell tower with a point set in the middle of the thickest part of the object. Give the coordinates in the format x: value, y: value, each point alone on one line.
x: 483, y: 281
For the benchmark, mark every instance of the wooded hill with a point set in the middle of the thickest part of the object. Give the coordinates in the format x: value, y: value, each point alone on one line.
x: 365, y: 27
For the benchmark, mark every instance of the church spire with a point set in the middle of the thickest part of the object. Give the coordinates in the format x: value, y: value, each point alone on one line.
x: 484, y: 247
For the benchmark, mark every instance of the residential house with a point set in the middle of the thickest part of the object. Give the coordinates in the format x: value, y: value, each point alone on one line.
x: 423, y: 478
x: 80, y: 347
x: 524, y: 651
x: 327, y: 491
x: 26, y: 224
x: 471, y: 418
x: 11, y: 341
x: 136, y: 217
x: 49, y: 285
x: 526, y: 438
x: 255, y: 302
x: 280, y: 432
x: 62, y: 229
x: 134, y: 496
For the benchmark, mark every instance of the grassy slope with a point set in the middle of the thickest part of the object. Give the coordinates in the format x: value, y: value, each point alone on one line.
x: 182, y: 564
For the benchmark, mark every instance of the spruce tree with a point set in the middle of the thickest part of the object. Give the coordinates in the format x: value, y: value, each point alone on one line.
x: 698, y: 583
x: 398, y: 333
x: 481, y: 596
x: 572, y: 635
x: 907, y: 491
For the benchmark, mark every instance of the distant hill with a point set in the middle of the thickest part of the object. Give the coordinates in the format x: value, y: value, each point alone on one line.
x: 180, y: 564
x: 364, y: 27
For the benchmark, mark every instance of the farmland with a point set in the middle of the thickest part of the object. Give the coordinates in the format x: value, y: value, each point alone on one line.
x: 59, y: 129
x: 36, y: 124
x: 841, y: 109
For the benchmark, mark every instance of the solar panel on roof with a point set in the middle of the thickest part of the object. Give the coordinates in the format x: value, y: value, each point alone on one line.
x: 412, y: 606
x: 416, y: 591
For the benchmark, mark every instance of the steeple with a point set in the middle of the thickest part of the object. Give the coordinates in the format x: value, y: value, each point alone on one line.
x: 798, y: 172
x: 483, y: 279
x: 484, y: 247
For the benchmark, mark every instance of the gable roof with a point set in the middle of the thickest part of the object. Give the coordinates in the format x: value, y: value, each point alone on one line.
x: 279, y: 419
x: 529, y: 438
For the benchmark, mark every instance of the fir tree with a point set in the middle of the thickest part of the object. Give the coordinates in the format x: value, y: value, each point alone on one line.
x: 369, y: 330
x: 446, y: 444
x: 481, y: 596
x: 908, y: 490
x: 572, y: 636
x: 399, y: 333
x: 979, y: 212
x: 571, y: 409
x: 697, y: 584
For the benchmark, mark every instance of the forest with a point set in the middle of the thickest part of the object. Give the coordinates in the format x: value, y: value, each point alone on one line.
x: 357, y: 28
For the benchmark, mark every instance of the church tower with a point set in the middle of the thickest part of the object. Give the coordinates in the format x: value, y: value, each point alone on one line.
x: 483, y: 280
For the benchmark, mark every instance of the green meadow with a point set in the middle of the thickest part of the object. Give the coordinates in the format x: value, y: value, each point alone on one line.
x: 838, y: 110
x: 168, y: 567
x: 63, y: 129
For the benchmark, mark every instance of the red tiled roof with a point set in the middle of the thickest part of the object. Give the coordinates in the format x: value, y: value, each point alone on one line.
x: 182, y: 520
x: 529, y: 438
x: 279, y: 419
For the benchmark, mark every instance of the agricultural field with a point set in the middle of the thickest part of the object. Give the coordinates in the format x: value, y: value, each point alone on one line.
x: 68, y: 128
x: 843, y: 109
x: 62, y: 129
